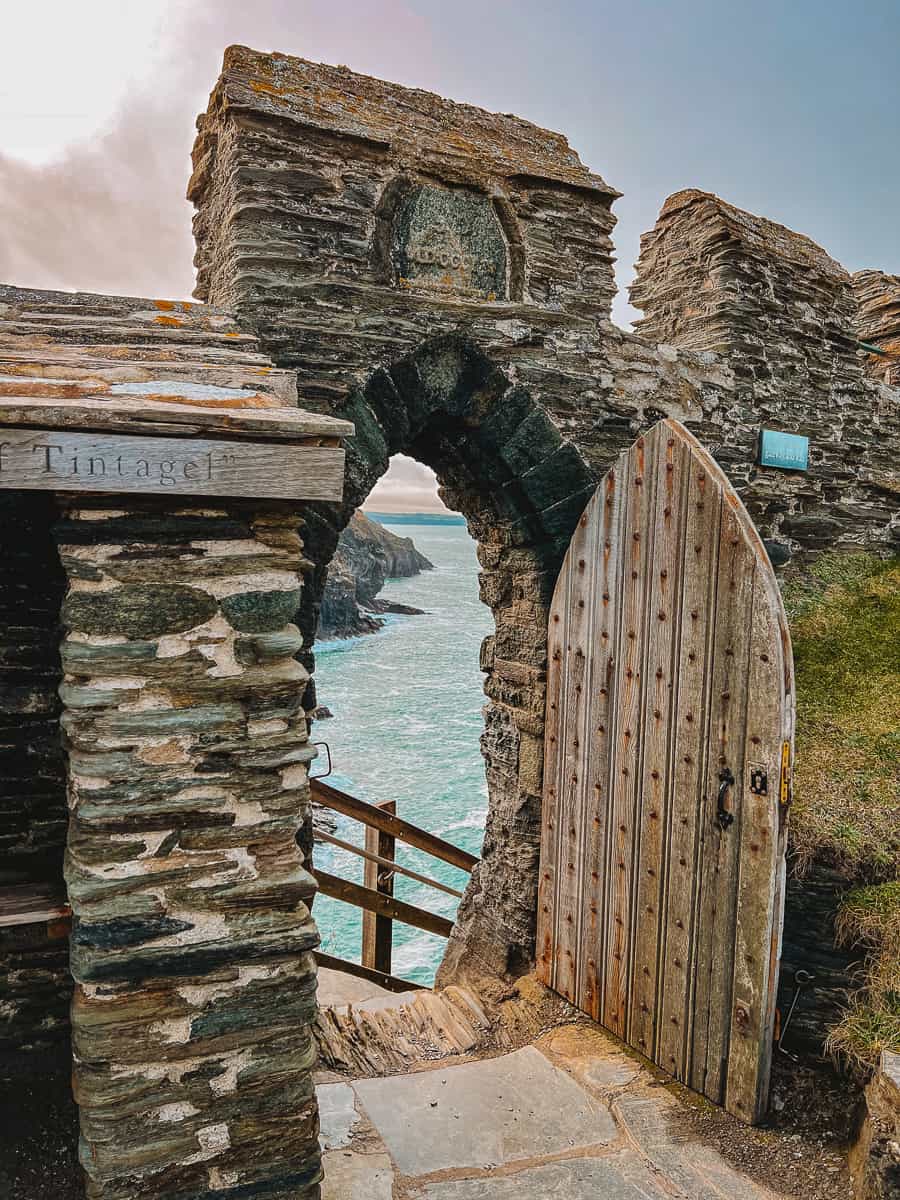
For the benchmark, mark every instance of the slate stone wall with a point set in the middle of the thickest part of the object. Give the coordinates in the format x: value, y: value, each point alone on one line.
x: 35, y: 983
x: 877, y: 295
x: 191, y: 936
x: 33, y: 814
x: 785, y: 318
x: 312, y: 185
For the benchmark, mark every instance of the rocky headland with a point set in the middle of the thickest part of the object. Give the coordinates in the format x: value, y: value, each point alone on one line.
x: 366, y: 556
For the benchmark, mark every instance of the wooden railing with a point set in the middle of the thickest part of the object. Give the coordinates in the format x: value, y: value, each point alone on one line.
x: 375, y: 896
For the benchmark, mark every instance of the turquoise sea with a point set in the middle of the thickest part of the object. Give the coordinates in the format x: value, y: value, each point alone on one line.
x: 407, y: 707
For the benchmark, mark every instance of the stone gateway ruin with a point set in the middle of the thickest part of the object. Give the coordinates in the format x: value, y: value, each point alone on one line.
x: 379, y: 270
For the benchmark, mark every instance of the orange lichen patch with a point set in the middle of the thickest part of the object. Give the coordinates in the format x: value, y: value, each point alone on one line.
x: 168, y: 320
x: 165, y: 305
x: 52, y: 389
x: 232, y: 334
x: 258, y: 86
x: 109, y: 351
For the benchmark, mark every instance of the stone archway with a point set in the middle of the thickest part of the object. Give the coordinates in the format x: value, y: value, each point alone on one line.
x: 503, y: 463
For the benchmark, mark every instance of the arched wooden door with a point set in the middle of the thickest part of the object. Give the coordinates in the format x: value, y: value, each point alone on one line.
x: 669, y: 732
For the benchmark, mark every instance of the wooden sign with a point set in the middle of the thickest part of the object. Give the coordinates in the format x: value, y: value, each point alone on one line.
x: 61, y: 461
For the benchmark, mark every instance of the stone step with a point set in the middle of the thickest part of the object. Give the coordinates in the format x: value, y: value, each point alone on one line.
x: 366, y: 1031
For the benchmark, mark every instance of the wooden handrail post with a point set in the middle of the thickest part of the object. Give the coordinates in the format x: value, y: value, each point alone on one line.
x: 377, y: 930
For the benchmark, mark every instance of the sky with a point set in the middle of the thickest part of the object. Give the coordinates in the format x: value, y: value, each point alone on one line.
x: 789, y: 109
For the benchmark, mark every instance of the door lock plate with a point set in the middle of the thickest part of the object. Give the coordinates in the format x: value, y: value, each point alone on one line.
x: 759, y: 781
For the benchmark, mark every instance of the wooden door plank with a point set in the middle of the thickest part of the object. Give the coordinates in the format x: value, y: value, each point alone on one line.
x: 719, y: 856
x: 607, y: 590
x: 759, y: 896
x: 670, y: 462
x: 625, y: 760
x: 547, y: 879
x: 571, y: 802
x: 548, y: 908
x: 703, y: 506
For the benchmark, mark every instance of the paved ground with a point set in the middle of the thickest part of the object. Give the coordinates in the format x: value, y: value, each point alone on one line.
x: 570, y: 1118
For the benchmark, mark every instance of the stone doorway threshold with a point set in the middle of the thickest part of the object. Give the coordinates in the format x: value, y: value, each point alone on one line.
x: 569, y: 1116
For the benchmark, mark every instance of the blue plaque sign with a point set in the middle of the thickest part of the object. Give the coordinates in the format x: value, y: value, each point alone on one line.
x: 790, y: 451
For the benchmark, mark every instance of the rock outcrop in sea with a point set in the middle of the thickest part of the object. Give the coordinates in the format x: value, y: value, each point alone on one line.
x: 366, y: 556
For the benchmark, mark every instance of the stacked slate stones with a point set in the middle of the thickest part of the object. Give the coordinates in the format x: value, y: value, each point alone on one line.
x: 176, y: 702
x: 35, y: 984
x: 711, y: 277
x: 187, y: 744
x: 878, y: 322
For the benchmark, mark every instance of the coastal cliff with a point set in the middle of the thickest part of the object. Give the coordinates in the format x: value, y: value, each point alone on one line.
x: 366, y: 556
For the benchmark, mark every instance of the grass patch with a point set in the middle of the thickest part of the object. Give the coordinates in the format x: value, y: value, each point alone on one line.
x: 871, y: 1023
x: 845, y: 625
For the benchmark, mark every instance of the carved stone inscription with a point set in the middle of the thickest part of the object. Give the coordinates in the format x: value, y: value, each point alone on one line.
x: 450, y: 241
x: 56, y: 460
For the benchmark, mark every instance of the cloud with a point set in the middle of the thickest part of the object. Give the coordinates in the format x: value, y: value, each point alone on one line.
x: 408, y: 486
x: 109, y: 214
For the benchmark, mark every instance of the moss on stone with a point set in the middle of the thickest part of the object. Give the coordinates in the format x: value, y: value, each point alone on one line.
x: 138, y: 610
x: 261, y: 612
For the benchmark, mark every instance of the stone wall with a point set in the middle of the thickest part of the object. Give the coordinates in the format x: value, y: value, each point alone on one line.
x: 191, y: 940
x: 783, y: 315
x: 878, y: 322
x: 442, y: 277
x: 35, y: 983
x: 173, y: 714
x: 33, y: 812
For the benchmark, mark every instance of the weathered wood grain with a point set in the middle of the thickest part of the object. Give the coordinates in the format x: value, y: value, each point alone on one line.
x: 378, y: 930
x: 191, y: 408
x: 553, y: 760
x: 668, y: 653
x: 769, y: 725
x: 690, y: 722
x: 571, y: 801
x: 63, y: 461
x: 718, y: 865
x: 403, y: 831
x: 385, y: 906
x: 657, y: 724
x: 605, y: 609
x: 625, y: 764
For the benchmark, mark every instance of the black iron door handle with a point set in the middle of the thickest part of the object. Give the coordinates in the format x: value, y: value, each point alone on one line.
x: 726, y: 780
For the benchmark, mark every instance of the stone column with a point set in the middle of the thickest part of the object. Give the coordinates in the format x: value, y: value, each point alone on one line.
x: 191, y: 941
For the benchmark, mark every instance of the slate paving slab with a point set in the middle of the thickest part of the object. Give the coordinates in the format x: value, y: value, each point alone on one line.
x: 337, y: 1114
x: 489, y: 1113
x: 354, y: 1161
x: 699, y: 1171
x: 354, y: 1176
x: 619, y: 1176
